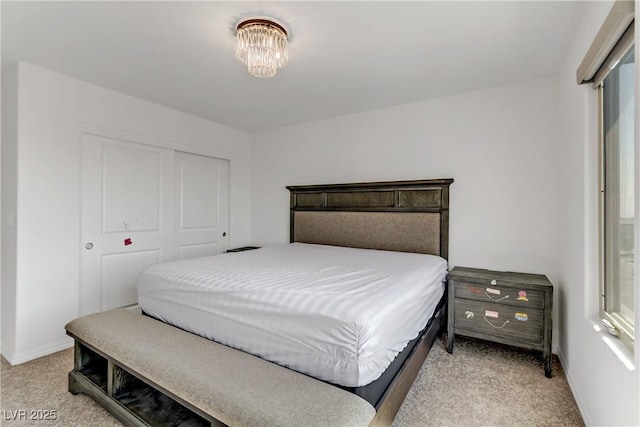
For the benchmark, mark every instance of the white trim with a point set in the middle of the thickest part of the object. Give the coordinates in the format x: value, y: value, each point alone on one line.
x: 97, y: 130
x: 586, y: 416
x: 16, y: 359
x: 617, y: 53
x: 614, y: 25
x: 617, y: 347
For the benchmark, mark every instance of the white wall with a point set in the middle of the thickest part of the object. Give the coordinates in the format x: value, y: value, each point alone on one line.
x: 52, y: 111
x: 498, y: 144
x: 607, y: 392
x: 9, y: 201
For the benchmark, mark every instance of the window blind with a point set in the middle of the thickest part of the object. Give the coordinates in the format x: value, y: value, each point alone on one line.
x: 610, y: 43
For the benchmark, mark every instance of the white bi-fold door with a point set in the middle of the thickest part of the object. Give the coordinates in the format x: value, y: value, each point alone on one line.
x: 141, y: 205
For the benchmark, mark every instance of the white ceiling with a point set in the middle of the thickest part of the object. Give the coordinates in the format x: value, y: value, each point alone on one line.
x: 344, y: 57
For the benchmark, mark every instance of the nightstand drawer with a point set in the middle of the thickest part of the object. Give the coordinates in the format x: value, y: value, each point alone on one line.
x: 518, y: 323
x: 520, y: 297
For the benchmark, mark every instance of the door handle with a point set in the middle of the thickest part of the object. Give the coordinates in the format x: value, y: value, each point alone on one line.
x: 89, y: 245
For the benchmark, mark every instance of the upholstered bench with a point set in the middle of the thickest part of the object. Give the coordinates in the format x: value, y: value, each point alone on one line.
x: 145, y: 372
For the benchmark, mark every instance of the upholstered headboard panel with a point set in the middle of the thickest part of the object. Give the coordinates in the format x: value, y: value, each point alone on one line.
x: 405, y: 216
x: 390, y: 231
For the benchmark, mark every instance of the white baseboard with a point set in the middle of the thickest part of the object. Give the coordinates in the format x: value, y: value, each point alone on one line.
x: 586, y: 417
x: 18, y: 358
x: 8, y: 356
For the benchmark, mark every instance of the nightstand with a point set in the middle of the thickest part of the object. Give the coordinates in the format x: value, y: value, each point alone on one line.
x: 505, y: 307
x: 242, y: 249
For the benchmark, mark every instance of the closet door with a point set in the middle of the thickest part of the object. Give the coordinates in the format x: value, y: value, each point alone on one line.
x: 141, y: 205
x: 127, y: 218
x: 202, y: 213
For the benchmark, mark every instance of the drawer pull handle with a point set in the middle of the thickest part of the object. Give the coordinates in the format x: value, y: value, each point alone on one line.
x: 496, y: 300
x: 497, y: 327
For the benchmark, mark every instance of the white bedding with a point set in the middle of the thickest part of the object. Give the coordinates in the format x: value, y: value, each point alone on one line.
x: 337, y: 314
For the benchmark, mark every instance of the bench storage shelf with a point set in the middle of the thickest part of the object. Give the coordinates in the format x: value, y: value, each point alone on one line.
x: 126, y: 396
x: 147, y: 373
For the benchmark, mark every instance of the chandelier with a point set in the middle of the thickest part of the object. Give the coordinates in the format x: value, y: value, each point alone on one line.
x: 261, y: 46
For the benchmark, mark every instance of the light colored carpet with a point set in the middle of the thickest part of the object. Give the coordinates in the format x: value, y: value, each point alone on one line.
x: 480, y: 384
x: 488, y: 384
x: 41, y: 385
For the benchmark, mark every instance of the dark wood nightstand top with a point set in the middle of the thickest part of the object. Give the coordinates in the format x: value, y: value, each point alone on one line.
x: 501, y: 277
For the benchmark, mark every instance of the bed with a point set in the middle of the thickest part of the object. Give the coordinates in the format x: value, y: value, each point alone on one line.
x: 338, y: 314
x: 356, y: 253
x: 122, y: 357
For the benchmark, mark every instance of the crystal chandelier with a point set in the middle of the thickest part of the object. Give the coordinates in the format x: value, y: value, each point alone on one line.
x: 261, y: 46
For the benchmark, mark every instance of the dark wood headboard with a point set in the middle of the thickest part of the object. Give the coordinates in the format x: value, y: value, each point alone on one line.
x: 405, y: 216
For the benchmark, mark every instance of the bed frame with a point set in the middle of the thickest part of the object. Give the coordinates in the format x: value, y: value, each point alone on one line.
x: 405, y: 216
x: 113, y: 363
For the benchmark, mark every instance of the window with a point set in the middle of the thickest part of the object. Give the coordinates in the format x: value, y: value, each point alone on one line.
x: 617, y: 154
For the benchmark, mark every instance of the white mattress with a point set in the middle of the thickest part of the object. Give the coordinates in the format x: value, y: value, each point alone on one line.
x: 337, y: 314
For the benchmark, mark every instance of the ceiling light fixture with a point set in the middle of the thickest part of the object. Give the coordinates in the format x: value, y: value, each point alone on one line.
x: 261, y: 46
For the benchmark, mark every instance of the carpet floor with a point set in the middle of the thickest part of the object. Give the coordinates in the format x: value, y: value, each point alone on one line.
x: 480, y: 384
